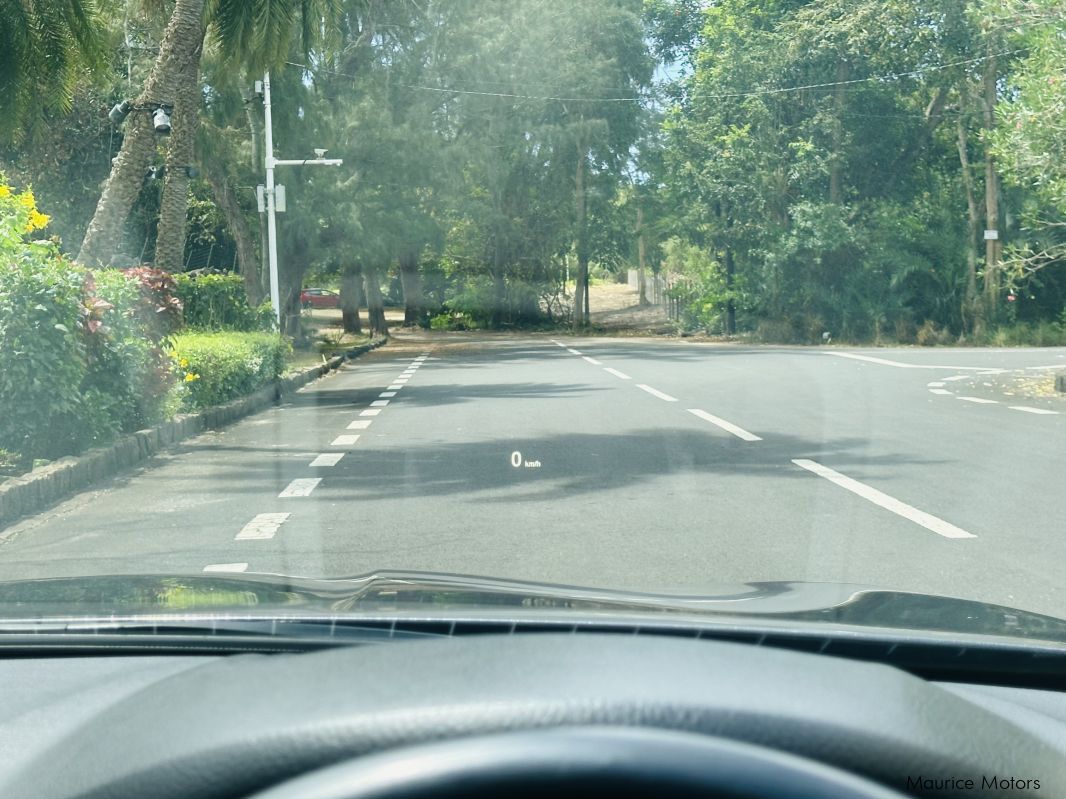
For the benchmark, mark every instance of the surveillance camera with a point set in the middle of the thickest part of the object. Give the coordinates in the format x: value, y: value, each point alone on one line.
x: 161, y: 121
x: 119, y: 112
x: 319, y: 153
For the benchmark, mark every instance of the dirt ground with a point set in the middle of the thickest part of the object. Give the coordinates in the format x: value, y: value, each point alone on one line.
x: 615, y: 307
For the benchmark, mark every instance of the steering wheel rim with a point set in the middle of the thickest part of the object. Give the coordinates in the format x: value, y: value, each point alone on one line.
x: 577, y: 760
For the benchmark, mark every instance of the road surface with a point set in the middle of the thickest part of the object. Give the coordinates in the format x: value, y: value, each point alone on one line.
x: 623, y: 463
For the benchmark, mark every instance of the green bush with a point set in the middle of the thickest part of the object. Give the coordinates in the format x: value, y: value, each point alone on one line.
x: 219, y: 302
x: 217, y: 367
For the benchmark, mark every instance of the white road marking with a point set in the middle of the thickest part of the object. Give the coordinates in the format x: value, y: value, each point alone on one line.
x: 402, y: 379
x: 573, y: 351
x: 992, y: 372
x: 226, y: 567
x: 301, y: 487
x: 558, y: 343
x: 593, y: 361
x: 882, y: 500
x: 359, y: 424
x: 616, y: 373
x: 978, y: 400
x: 327, y: 459
x: 939, y: 391
x: 263, y: 525
x: 387, y: 394
x: 344, y: 441
x: 379, y: 403
x: 953, y: 378
x: 901, y: 365
x: 371, y: 412
x: 1056, y: 366
x: 729, y: 427
x: 935, y: 384
x: 656, y: 393
x: 395, y: 387
x: 1027, y: 409
x: 421, y: 357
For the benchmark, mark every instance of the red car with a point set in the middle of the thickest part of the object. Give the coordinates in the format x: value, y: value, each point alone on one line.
x: 320, y: 298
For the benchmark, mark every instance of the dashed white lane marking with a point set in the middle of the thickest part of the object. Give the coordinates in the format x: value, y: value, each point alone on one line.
x: 573, y: 351
x: 226, y: 567
x: 387, y: 394
x: 359, y: 424
x: 956, y: 377
x: 300, y: 487
x: 263, y: 525
x: 616, y: 373
x: 978, y: 400
x: 395, y: 387
x: 656, y: 393
x: 729, y: 427
x: 901, y: 365
x: 1027, y: 409
x: 379, y: 403
x: 558, y: 344
x: 935, y: 384
x: 939, y: 391
x: 593, y: 361
x: 883, y: 500
x: 327, y: 459
x: 402, y: 379
x: 344, y: 441
x: 371, y: 412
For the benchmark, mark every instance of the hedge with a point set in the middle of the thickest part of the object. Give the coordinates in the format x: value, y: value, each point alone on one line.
x: 219, y: 302
x: 215, y: 367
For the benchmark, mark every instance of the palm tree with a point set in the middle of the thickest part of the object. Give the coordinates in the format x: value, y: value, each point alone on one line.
x: 254, y: 34
x: 44, y: 44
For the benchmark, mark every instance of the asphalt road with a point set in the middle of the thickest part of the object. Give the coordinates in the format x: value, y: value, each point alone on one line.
x: 623, y: 463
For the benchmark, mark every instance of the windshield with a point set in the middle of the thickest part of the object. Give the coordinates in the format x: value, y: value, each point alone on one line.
x: 690, y: 300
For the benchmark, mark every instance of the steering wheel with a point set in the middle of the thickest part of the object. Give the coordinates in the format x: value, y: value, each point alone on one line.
x: 578, y: 761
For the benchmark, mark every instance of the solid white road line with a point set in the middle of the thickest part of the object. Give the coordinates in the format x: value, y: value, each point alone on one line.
x: 226, y: 567
x: 978, y: 400
x: 301, y: 487
x: 729, y: 427
x: 379, y: 403
x: 616, y: 373
x: 387, y: 394
x: 656, y: 393
x: 558, y: 344
x: 882, y: 500
x: 263, y: 525
x: 359, y: 424
x: 939, y: 391
x: 371, y: 412
x: 344, y: 441
x: 593, y: 361
x: 327, y: 459
x: 901, y: 365
x: 1027, y: 409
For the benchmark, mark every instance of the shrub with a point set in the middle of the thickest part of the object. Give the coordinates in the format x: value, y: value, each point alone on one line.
x: 219, y: 302
x: 217, y: 367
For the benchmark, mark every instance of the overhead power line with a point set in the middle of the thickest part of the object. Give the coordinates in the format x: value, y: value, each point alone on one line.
x: 914, y: 73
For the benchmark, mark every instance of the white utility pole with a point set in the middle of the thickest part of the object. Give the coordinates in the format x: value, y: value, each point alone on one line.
x: 271, y: 205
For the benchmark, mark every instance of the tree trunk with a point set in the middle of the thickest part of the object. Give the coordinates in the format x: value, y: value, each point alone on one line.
x: 182, y: 42
x: 581, y: 293
x: 642, y: 283
x: 237, y: 224
x: 971, y: 310
x: 992, y: 246
x: 351, y: 299
x: 411, y: 281
x: 836, y: 157
x: 731, y: 306
x: 174, y: 205
x: 375, y: 308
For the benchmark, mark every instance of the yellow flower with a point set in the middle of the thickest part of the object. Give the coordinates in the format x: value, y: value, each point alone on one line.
x: 27, y: 200
x: 190, y: 377
x: 183, y: 362
x: 5, y: 191
x: 38, y: 220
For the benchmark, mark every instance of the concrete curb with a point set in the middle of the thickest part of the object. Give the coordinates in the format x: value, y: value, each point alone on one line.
x: 43, y: 487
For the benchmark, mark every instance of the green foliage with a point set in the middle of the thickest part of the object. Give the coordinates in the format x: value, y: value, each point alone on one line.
x: 702, y: 285
x: 219, y: 302
x: 217, y: 367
